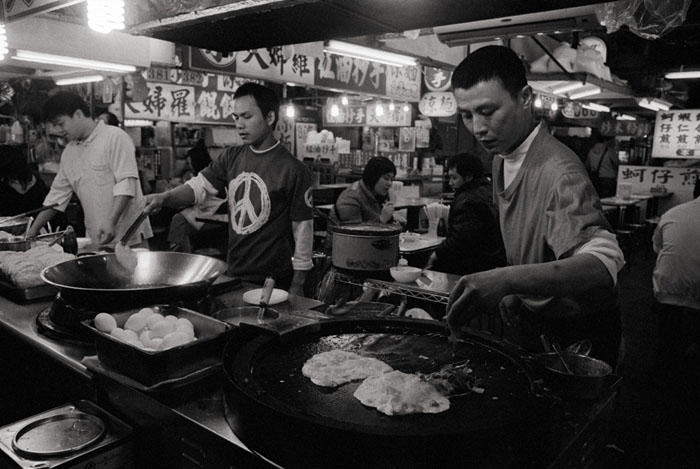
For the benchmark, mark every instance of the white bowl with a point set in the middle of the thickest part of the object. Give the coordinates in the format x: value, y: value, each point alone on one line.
x: 405, y: 274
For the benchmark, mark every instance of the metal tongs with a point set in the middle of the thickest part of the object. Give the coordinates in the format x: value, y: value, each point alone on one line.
x: 265, y: 295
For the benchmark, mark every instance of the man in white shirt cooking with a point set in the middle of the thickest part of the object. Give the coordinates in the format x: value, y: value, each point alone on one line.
x: 99, y: 166
x: 562, y: 257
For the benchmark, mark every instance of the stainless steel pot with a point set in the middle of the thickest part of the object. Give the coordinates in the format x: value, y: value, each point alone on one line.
x: 589, y: 376
x: 15, y: 243
x: 365, y: 246
x: 16, y: 227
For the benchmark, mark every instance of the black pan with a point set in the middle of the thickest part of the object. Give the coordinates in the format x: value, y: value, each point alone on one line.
x: 101, y: 283
x: 281, y: 414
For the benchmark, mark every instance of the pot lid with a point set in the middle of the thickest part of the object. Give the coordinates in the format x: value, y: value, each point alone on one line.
x: 368, y: 229
x: 58, y: 435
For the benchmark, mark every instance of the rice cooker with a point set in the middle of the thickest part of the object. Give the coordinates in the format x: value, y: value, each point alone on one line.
x: 365, y: 247
x: 78, y: 435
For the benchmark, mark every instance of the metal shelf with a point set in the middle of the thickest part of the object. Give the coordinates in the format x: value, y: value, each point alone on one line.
x: 409, y: 290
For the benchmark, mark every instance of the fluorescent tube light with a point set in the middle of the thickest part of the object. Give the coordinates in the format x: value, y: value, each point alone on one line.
x: 367, y: 53
x: 77, y: 80
x: 137, y: 123
x: 625, y: 117
x: 596, y: 107
x: 654, y: 104
x: 568, y: 87
x: 686, y: 75
x: 40, y: 57
x: 585, y: 93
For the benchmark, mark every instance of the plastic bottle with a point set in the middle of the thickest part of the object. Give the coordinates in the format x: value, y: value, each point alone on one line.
x: 17, y: 132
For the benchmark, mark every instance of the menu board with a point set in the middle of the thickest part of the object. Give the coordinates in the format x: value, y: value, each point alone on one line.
x: 677, y: 134
x: 680, y: 181
x: 366, y: 116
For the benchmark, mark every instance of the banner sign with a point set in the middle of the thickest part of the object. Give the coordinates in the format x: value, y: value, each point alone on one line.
x: 438, y: 104
x: 330, y: 71
x: 677, y: 134
x: 355, y: 116
x: 437, y: 79
x: 680, y: 181
x: 618, y: 128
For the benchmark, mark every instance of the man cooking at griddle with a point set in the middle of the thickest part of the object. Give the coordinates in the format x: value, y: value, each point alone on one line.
x: 563, y: 258
x: 269, y: 196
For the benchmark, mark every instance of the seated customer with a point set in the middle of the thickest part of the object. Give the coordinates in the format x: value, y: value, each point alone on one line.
x: 21, y: 189
x: 367, y: 200
x: 184, y: 224
x: 473, y: 242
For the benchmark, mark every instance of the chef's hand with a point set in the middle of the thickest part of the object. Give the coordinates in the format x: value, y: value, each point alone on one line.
x: 387, y: 212
x: 296, y: 290
x: 105, y: 232
x: 154, y: 202
x: 509, y: 308
x: 474, y: 294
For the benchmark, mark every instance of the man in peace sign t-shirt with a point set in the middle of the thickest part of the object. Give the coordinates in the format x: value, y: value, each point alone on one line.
x: 269, y: 196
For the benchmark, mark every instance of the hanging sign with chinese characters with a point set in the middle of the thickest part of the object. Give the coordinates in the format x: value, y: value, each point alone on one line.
x: 282, y: 64
x: 438, y: 104
x: 622, y: 128
x: 367, y: 116
x: 677, y: 134
x: 186, y: 96
x: 679, y: 181
x: 437, y: 79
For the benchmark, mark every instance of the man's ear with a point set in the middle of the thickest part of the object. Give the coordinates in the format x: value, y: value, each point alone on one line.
x: 78, y: 114
x: 527, y: 96
x: 270, y: 118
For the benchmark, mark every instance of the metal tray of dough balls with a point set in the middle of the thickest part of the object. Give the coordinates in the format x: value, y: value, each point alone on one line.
x: 154, y: 364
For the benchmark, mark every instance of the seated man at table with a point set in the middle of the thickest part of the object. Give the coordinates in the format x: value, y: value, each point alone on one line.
x: 269, y: 196
x: 473, y: 242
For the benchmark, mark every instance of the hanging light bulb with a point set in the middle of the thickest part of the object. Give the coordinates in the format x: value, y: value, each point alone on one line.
x: 290, y: 111
x: 344, y: 100
x: 335, y: 110
x: 555, y: 106
x: 391, y: 106
x: 3, y: 42
x: 105, y: 15
x: 405, y: 107
x: 379, y: 109
x: 538, y: 102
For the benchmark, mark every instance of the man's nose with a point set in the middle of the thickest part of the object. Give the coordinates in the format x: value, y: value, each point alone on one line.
x: 479, y: 126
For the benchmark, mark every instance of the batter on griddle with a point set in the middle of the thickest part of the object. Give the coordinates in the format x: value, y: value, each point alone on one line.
x: 336, y: 367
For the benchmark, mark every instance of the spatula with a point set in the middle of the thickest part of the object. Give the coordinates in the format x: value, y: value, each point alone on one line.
x: 265, y: 295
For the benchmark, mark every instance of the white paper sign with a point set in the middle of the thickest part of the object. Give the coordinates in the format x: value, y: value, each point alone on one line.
x: 677, y: 134
x: 679, y: 181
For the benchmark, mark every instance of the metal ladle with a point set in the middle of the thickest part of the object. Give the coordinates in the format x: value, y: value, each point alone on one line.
x: 557, y: 349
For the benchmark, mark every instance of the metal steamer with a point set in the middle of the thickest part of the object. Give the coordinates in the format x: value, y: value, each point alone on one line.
x: 282, y: 415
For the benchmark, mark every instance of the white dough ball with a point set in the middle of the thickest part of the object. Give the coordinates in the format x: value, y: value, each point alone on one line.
x: 153, y: 318
x: 146, y: 311
x: 105, y: 322
x: 162, y: 328
x: 171, y: 318
x: 136, y: 322
x: 174, y: 339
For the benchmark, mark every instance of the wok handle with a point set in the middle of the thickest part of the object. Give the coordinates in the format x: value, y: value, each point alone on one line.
x: 29, y: 212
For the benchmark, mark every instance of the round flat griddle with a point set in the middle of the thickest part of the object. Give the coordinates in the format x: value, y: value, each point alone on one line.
x: 282, y: 415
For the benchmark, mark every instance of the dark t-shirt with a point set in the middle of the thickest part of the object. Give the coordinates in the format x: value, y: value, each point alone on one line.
x: 266, y: 192
x: 13, y: 203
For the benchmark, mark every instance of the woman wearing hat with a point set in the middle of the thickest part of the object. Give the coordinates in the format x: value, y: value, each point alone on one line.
x: 367, y: 200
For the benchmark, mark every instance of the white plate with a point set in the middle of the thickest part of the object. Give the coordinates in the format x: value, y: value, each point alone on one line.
x: 252, y: 297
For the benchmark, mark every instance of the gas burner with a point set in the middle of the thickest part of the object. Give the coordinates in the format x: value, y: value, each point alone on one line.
x: 47, y: 327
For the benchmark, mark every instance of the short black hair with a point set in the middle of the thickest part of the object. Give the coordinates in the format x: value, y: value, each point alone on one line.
x: 199, y: 156
x: 63, y: 103
x: 375, y: 168
x: 111, y: 119
x: 488, y: 63
x: 265, y: 98
x: 466, y: 164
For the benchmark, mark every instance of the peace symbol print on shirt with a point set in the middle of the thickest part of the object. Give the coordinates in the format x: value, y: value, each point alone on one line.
x: 308, y: 198
x: 249, y: 203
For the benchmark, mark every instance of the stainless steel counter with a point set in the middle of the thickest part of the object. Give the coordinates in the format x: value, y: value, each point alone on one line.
x: 197, y: 412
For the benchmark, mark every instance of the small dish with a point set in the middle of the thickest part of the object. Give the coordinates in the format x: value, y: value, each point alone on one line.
x: 405, y: 273
x: 252, y: 297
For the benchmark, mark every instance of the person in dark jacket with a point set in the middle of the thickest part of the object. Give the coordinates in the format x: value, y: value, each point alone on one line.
x: 473, y: 242
x: 21, y: 189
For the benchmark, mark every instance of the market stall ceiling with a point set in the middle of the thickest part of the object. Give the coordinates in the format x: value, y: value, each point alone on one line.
x: 250, y: 24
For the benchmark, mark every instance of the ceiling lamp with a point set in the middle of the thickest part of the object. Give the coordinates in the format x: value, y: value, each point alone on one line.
x: 585, y: 93
x: 683, y: 75
x: 40, y: 57
x: 3, y: 42
x: 78, y: 80
x: 654, y: 104
x: 367, y: 53
x: 405, y: 107
x: 105, y: 15
x: 379, y: 110
x: 596, y: 107
x: 344, y: 100
x: 625, y: 117
x: 290, y: 111
x: 335, y: 110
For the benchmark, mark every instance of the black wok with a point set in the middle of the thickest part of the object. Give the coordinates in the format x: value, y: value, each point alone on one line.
x: 100, y: 283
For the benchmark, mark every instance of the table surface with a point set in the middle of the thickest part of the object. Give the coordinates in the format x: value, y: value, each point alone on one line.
x: 619, y: 201
x: 413, y: 242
